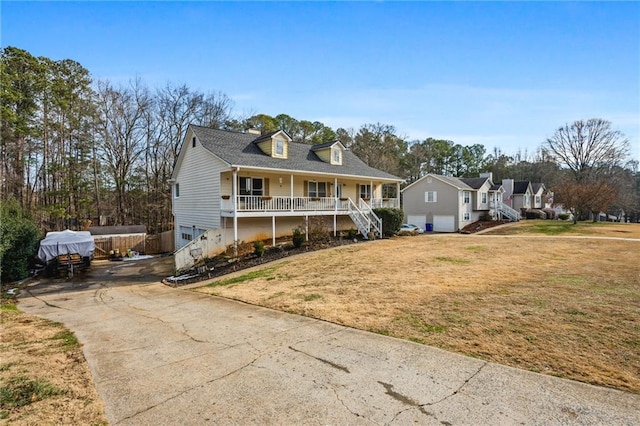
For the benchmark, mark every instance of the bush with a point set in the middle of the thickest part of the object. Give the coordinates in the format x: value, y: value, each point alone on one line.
x: 564, y: 216
x: 485, y: 217
x: 352, y: 233
x: 19, y: 238
x: 298, y: 237
x: 258, y: 248
x: 391, y: 220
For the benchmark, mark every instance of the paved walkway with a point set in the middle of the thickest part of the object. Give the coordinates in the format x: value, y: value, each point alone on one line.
x: 168, y: 356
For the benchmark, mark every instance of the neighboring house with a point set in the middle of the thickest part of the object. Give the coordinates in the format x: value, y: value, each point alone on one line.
x: 517, y: 194
x: 448, y: 204
x: 248, y: 187
x: 537, y: 195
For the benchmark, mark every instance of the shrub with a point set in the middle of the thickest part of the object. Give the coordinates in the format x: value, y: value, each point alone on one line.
x: 19, y: 238
x: 391, y: 220
x: 564, y: 216
x: 352, y: 233
x: 258, y: 248
x: 298, y: 237
x: 485, y: 217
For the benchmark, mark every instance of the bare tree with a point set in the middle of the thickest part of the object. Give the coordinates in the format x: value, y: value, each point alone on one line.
x: 588, y: 147
x: 122, y: 132
x: 592, y: 152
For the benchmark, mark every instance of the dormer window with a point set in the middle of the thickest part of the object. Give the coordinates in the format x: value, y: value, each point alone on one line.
x: 279, y: 148
x: 336, y: 155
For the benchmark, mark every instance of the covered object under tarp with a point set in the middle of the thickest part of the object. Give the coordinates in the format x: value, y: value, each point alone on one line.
x: 66, y: 242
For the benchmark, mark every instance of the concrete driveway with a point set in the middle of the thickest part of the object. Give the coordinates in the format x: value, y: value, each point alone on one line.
x: 168, y: 356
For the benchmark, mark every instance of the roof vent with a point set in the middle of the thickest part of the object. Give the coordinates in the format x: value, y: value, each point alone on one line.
x: 254, y: 131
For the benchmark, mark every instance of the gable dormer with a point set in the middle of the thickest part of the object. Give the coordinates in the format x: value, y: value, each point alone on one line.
x: 275, y: 145
x: 330, y: 152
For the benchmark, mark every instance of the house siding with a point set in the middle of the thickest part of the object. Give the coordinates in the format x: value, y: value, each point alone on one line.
x: 448, y: 202
x: 199, y: 201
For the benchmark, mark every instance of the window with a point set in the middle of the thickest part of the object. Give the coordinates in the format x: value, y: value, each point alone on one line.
x: 465, y: 216
x: 177, y: 190
x: 317, y: 189
x: 365, y: 191
x: 251, y: 186
x: 466, y: 197
x: 186, y: 233
x: 538, y: 200
x: 483, y: 197
x: 337, y: 157
x: 193, y: 142
x: 280, y: 147
x: 431, y: 197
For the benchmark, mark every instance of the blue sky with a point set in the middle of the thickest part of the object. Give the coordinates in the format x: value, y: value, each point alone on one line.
x: 503, y: 74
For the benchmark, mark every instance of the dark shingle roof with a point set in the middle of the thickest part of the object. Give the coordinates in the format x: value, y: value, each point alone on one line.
x: 238, y: 149
x: 475, y: 183
x: 520, y: 187
x: 536, y: 186
x: 495, y: 187
x: 322, y: 145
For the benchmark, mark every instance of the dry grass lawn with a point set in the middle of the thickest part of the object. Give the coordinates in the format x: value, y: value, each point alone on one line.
x: 568, y: 307
x: 44, y: 378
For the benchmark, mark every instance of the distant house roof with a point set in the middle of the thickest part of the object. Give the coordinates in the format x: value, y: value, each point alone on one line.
x: 520, y: 187
x: 117, y: 230
x: 537, y: 186
x: 496, y: 187
x: 453, y: 181
x: 475, y: 183
x: 239, y: 149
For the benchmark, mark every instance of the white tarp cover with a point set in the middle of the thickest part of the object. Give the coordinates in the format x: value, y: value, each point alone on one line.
x: 64, y: 242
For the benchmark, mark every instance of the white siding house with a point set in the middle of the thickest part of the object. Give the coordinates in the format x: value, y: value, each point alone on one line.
x: 251, y: 187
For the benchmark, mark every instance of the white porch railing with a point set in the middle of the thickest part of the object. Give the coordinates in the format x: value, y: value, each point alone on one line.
x: 374, y: 220
x: 253, y: 203
x: 362, y: 214
x: 508, y: 212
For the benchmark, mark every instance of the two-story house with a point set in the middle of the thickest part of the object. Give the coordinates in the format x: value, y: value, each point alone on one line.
x: 448, y: 204
x: 251, y: 186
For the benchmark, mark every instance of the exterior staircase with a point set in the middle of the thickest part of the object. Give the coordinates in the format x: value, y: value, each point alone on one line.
x: 507, y: 212
x: 365, y: 219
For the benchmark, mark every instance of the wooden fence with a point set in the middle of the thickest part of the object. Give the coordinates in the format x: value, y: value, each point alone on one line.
x: 142, y: 243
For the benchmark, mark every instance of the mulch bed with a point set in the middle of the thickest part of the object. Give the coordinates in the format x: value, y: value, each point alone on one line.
x: 481, y: 225
x: 224, y: 264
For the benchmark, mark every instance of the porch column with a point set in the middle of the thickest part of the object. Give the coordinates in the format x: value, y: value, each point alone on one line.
x: 273, y: 230
x: 335, y: 208
x: 234, y: 197
x: 398, y: 195
x: 291, y: 191
x: 372, y: 195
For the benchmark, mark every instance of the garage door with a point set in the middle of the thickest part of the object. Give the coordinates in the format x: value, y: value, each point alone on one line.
x: 444, y: 223
x: 417, y: 220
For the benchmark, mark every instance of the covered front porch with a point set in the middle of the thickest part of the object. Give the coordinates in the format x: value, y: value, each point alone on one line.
x: 256, y: 206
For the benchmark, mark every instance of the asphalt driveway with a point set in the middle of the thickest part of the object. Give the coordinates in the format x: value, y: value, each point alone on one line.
x: 161, y: 355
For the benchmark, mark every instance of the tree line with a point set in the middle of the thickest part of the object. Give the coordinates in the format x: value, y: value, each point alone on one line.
x: 75, y: 149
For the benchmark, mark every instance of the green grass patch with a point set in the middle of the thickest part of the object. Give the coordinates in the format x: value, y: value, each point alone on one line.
x: 311, y: 297
x: 262, y: 273
x: 20, y: 391
x: 475, y: 248
x: 68, y: 339
x: 9, y: 307
x: 453, y: 260
x: 418, y: 324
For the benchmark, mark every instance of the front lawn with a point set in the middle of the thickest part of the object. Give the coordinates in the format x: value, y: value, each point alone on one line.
x: 561, y: 306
